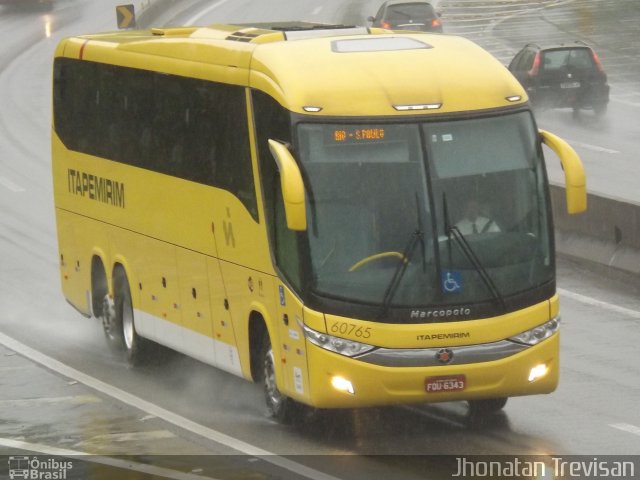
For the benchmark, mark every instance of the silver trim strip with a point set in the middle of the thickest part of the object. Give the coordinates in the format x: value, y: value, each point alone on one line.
x: 426, y: 357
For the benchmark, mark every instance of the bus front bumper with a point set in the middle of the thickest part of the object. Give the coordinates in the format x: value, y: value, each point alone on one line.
x: 337, y: 381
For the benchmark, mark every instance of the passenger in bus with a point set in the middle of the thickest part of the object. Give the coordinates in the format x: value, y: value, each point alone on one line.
x: 474, y: 220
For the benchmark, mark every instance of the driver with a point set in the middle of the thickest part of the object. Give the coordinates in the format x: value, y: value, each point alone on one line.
x: 474, y: 221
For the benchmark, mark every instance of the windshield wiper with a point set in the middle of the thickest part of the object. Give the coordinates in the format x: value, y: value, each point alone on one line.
x: 416, y: 236
x: 453, y: 231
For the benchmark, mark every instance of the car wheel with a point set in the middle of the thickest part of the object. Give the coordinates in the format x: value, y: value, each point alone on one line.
x: 600, y: 109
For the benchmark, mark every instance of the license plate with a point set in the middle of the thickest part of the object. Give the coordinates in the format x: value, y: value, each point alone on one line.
x: 452, y: 383
x: 570, y: 85
x: 411, y: 26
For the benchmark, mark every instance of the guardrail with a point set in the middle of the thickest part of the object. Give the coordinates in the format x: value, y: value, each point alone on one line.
x: 608, y: 233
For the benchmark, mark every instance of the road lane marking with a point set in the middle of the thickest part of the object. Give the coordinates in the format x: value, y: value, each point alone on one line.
x: 599, y: 303
x: 625, y: 427
x: 16, y: 368
x: 618, y: 99
x: 109, y: 438
x: 112, y: 462
x: 14, y: 187
x: 166, y: 415
x: 594, y: 148
x: 31, y: 402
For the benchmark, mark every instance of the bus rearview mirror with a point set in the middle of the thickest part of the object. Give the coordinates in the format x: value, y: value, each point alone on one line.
x: 292, y: 186
x: 575, y: 181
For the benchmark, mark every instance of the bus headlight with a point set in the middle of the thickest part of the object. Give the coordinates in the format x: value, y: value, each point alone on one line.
x: 539, y: 333
x: 537, y: 372
x: 342, y: 346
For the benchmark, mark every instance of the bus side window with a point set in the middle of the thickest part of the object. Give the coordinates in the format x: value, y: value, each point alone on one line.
x: 272, y: 121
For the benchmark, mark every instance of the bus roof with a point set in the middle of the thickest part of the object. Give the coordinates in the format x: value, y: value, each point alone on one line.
x: 329, y: 70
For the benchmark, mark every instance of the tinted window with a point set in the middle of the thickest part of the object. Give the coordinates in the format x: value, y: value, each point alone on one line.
x: 408, y: 10
x: 526, y: 60
x: 272, y: 121
x: 188, y: 128
x: 576, y: 57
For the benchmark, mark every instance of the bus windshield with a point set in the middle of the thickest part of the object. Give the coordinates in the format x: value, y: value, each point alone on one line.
x: 385, y: 199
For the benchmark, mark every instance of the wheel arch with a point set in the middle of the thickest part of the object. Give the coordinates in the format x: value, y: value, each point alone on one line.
x: 100, y: 281
x: 257, y: 329
x: 120, y: 271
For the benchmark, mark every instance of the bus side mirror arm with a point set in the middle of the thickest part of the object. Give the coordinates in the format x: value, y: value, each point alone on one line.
x: 292, y: 186
x: 575, y: 181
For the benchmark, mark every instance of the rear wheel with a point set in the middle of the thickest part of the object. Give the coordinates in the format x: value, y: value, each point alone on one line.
x: 600, y: 109
x: 108, y: 319
x: 118, y: 320
x: 279, y: 406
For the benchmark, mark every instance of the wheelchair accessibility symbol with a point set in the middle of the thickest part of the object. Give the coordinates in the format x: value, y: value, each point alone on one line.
x: 451, y: 282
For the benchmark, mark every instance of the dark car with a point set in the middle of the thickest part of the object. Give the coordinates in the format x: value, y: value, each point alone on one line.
x: 562, y: 76
x: 407, y: 15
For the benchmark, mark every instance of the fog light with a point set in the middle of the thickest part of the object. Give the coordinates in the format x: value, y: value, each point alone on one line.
x: 537, y: 372
x: 343, y: 385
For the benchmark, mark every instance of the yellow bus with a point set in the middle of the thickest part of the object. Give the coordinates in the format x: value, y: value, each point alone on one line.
x: 286, y: 202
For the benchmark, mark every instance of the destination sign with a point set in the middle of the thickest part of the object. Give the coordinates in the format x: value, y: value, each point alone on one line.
x: 357, y: 134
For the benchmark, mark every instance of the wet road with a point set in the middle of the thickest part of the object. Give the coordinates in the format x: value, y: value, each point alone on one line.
x: 607, y: 146
x: 181, y: 406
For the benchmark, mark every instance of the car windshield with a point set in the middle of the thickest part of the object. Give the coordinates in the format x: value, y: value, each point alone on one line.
x: 381, y: 195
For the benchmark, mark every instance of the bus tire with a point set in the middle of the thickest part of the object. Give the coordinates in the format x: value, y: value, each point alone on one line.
x: 125, y: 330
x: 279, y: 406
x: 110, y: 328
x: 487, y: 406
x: 483, y: 413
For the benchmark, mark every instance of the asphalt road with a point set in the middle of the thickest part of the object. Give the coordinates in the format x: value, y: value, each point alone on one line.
x: 62, y: 387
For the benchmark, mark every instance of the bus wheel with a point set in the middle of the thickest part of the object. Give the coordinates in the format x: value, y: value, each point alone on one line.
x: 124, y: 323
x: 482, y: 412
x: 279, y: 406
x: 487, y: 406
x: 108, y: 318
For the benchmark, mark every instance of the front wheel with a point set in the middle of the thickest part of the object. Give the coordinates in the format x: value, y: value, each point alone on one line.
x: 482, y: 413
x: 487, y: 406
x: 279, y: 406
